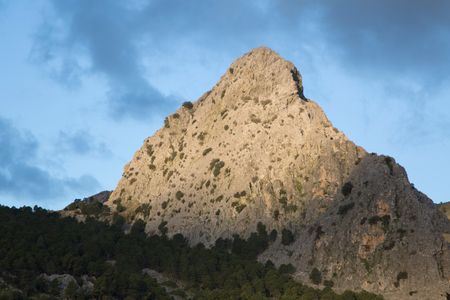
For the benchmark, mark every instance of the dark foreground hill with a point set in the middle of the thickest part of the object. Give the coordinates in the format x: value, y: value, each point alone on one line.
x: 44, y: 256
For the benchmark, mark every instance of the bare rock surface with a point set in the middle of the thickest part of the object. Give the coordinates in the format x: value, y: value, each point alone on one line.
x: 254, y: 149
x: 63, y: 280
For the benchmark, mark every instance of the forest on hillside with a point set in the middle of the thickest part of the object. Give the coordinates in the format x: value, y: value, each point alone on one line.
x: 106, y: 263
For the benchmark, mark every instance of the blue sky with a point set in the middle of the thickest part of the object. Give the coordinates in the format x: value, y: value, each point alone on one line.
x: 83, y: 83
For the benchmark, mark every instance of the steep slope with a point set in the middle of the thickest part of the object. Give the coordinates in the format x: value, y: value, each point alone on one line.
x: 252, y: 149
x: 381, y: 235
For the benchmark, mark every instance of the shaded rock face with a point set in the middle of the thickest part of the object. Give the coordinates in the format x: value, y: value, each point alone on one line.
x: 251, y: 149
x: 381, y: 235
x: 254, y: 149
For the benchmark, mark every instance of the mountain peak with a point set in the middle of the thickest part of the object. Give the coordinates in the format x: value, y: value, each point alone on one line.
x: 262, y: 69
x: 261, y: 55
x: 250, y: 149
x: 264, y: 51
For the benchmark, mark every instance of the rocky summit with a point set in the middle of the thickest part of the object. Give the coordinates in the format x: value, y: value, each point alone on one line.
x: 255, y: 149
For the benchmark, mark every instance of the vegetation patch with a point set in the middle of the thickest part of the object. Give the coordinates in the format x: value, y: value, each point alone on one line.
x: 287, y: 237
x: 315, y: 276
x: 343, y: 209
x: 276, y: 214
x: 201, y: 136
x: 179, y: 195
x: 390, y: 163
x: 239, y: 194
x: 119, y: 207
x: 347, y: 188
x: 206, y: 151
x: 224, y: 113
x: 162, y: 227
x: 255, y: 119
x: 238, y: 206
x: 400, y: 276
x: 144, y: 209
x: 319, y: 233
x: 150, y: 150
x: 283, y: 201
x: 188, y: 105
x: 164, y: 204
x: 384, y: 220
x: 287, y: 269
x: 215, y: 165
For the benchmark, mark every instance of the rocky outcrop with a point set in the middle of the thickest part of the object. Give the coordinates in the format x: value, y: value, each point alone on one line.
x: 254, y: 149
x: 91, y: 206
x: 100, y: 197
x: 65, y: 280
x: 175, y: 289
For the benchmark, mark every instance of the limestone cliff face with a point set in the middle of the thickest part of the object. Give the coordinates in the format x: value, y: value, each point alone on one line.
x: 251, y: 149
x: 254, y: 149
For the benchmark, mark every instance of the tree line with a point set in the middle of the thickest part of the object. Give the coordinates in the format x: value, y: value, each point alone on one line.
x: 36, y: 241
